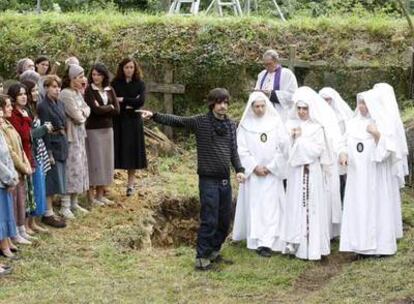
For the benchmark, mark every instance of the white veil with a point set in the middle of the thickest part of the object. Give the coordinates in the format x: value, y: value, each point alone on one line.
x: 377, y: 111
x: 270, y: 120
x: 338, y: 104
x: 387, y: 96
x: 319, y: 112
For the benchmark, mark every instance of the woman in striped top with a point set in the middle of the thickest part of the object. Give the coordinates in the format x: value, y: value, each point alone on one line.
x: 40, y: 155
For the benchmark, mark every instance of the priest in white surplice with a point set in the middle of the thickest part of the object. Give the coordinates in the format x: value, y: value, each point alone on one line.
x: 305, y: 220
x: 369, y: 150
x: 277, y: 82
x: 262, y: 146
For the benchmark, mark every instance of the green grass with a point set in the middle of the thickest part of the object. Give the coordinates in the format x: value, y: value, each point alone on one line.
x: 92, y: 261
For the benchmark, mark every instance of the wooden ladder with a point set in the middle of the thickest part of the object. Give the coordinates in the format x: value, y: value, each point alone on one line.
x: 248, y: 4
x: 175, y: 7
x: 232, y: 4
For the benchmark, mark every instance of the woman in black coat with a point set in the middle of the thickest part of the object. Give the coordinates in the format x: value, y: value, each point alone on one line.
x: 129, y: 141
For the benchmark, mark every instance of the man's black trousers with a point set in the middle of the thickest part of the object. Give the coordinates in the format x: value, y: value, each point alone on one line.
x: 215, y: 215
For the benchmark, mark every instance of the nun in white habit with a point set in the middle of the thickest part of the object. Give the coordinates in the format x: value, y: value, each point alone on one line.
x: 368, y: 225
x: 341, y: 113
x: 400, y: 162
x: 262, y: 147
x: 305, y: 220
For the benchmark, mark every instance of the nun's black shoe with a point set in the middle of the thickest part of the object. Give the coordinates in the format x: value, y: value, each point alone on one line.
x: 265, y: 252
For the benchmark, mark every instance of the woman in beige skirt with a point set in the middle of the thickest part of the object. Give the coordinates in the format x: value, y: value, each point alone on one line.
x: 102, y: 100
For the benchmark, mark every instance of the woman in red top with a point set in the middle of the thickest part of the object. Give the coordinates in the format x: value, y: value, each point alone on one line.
x: 22, y: 122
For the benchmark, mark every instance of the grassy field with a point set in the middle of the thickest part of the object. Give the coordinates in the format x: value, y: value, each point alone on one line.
x: 107, y: 257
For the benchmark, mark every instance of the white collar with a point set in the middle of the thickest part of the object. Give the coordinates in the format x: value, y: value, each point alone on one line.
x: 94, y: 87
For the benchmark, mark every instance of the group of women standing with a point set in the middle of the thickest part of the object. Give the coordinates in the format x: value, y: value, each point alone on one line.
x: 64, y: 137
x: 322, y: 144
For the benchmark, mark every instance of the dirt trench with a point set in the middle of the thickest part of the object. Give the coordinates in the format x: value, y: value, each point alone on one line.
x: 175, y: 222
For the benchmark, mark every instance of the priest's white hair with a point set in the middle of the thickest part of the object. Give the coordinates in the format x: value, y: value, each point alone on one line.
x: 271, y: 54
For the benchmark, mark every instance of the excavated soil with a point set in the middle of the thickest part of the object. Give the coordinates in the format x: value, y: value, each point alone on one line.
x: 176, y: 222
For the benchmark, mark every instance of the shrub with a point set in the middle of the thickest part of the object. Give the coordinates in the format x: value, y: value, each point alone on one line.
x: 207, y: 52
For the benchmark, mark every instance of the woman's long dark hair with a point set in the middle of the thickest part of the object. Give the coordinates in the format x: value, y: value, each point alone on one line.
x: 120, y: 71
x: 102, y: 70
x: 3, y: 100
x: 66, y: 79
x: 31, y: 105
x: 14, y: 91
x: 41, y: 59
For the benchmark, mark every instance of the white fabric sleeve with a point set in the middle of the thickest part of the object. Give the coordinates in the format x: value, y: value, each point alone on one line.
x: 259, y: 80
x: 246, y: 158
x: 278, y: 166
x: 382, y: 151
x: 307, y: 150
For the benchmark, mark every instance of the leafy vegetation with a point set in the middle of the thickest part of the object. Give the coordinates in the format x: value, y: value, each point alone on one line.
x: 290, y: 8
x: 207, y: 52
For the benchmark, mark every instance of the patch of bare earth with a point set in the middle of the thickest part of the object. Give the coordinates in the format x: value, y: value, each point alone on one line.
x: 176, y: 222
x: 409, y: 300
x: 316, y: 277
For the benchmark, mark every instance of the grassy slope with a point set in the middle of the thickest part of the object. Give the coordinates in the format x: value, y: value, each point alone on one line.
x: 85, y: 263
x: 240, y: 41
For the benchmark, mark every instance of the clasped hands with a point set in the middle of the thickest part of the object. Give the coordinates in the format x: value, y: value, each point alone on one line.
x: 296, y: 132
x: 261, y: 170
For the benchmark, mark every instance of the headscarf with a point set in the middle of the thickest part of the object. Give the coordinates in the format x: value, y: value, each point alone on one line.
x: 389, y: 101
x: 29, y: 75
x: 378, y: 115
x: 376, y: 111
x: 269, y: 121
x: 74, y: 71
x: 22, y: 65
x: 319, y: 112
x: 341, y: 108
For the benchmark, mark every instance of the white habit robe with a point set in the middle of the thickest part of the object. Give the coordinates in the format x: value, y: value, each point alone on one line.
x: 400, y: 162
x: 287, y: 87
x: 261, y: 199
x: 305, y: 223
x: 342, y: 113
x: 368, y: 224
x: 333, y: 193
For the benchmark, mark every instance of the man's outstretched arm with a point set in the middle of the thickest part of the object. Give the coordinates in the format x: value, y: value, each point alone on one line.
x: 171, y: 120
